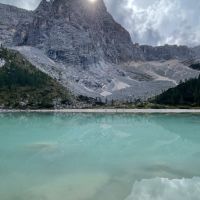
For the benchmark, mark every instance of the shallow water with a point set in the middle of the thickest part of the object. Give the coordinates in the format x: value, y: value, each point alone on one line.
x: 99, y: 157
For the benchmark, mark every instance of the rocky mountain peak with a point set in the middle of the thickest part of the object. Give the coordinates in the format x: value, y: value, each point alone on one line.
x: 79, y: 4
x: 72, y: 8
x: 44, y: 7
x: 76, y: 32
x: 80, y: 44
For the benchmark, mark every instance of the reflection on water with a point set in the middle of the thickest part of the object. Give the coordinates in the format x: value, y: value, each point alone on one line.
x: 97, y: 156
x: 165, y: 189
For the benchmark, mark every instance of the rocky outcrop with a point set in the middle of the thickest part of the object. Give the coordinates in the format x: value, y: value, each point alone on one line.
x: 10, y: 17
x: 167, y: 52
x: 196, y: 50
x: 76, y: 32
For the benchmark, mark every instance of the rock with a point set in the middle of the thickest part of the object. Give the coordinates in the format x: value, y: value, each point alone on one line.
x: 196, y: 50
x: 76, y: 32
x: 10, y: 17
x: 79, y: 44
x: 167, y: 52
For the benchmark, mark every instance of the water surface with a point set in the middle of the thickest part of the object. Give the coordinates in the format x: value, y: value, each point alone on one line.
x: 99, y: 156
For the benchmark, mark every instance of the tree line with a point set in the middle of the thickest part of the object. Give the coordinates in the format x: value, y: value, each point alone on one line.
x: 186, y: 93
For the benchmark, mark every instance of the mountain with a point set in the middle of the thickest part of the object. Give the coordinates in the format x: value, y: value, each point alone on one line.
x: 187, y: 93
x: 196, y: 50
x: 24, y: 86
x: 79, y: 32
x: 10, y: 17
x: 76, y: 32
x: 167, y: 52
x: 79, y: 44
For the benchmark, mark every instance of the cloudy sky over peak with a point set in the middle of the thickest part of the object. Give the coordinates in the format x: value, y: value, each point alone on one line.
x: 154, y: 22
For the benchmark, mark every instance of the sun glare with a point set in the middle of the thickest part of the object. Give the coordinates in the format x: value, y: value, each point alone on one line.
x: 92, y: 1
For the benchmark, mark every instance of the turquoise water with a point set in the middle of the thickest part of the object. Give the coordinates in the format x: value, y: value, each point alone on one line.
x: 99, y: 157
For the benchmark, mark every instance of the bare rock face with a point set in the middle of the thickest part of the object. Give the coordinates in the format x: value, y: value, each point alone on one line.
x: 167, y: 52
x: 196, y: 50
x: 80, y: 44
x: 76, y: 32
x: 81, y: 33
x: 10, y: 17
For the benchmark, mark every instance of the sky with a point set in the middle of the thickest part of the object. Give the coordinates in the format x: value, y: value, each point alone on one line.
x: 153, y: 22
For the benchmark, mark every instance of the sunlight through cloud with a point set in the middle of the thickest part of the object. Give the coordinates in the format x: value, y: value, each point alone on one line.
x: 92, y: 1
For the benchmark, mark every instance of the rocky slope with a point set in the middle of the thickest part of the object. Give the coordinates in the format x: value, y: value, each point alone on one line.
x: 80, y: 44
x: 124, y: 82
x: 24, y: 86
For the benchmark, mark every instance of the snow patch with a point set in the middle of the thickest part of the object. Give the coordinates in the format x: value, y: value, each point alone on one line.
x: 72, y: 186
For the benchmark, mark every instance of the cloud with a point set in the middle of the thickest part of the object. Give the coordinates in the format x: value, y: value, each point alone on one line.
x: 26, y: 4
x: 154, y: 22
x: 158, y: 22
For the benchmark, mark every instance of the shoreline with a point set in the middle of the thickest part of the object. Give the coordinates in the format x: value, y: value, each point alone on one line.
x: 134, y: 111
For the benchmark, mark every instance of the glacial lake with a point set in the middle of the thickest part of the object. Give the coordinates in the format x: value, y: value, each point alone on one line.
x: 99, y: 156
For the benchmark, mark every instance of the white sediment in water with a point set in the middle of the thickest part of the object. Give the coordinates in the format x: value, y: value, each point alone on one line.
x: 45, y: 146
x: 71, y: 186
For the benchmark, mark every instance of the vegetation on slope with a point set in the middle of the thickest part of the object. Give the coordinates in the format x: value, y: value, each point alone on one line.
x: 195, y: 66
x: 24, y: 86
x: 187, y: 93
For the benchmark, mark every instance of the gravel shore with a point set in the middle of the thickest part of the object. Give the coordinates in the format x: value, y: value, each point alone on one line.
x: 108, y: 111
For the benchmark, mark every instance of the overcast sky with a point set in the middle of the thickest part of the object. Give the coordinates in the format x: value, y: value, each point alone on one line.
x: 154, y: 22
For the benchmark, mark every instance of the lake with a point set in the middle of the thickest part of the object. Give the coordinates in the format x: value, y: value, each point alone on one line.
x: 99, y: 156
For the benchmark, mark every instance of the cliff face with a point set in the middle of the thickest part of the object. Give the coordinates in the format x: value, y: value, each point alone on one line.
x: 76, y: 32
x: 167, y: 52
x: 10, y: 17
x: 196, y: 50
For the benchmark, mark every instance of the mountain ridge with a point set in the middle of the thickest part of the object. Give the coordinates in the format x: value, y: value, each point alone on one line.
x: 86, y: 50
x: 12, y: 9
